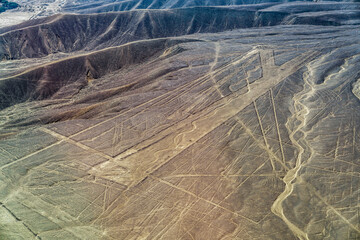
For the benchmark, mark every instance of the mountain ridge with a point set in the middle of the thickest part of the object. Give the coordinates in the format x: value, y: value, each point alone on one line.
x: 47, y: 36
x: 234, y: 122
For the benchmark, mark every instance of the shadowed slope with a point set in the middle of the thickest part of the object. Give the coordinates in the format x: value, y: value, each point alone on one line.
x: 107, y: 6
x: 234, y: 136
x: 249, y: 134
x: 68, y: 33
x: 68, y: 76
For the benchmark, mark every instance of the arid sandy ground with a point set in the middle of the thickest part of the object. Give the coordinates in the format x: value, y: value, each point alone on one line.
x: 248, y: 133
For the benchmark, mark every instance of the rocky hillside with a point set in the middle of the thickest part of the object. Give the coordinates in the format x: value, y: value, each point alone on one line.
x: 68, y: 33
x: 181, y: 120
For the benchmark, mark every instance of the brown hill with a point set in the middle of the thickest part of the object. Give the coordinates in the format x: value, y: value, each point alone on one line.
x: 245, y: 134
